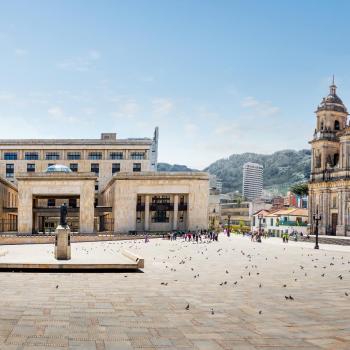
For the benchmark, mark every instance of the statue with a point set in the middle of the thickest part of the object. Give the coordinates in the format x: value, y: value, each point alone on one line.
x: 63, y: 215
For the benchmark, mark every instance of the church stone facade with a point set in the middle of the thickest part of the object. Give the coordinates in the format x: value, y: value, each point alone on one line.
x: 329, y: 186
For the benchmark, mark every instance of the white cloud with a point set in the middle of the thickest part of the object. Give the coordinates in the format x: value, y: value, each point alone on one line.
x: 249, y: 102
x: 127, y: 109
x: 57, y: 114
x: 6, y: 96
x: 80, y: 63
x: 21, y: 52
x: 264, y: 108
x: 190, y: 129
x: 162, y: 106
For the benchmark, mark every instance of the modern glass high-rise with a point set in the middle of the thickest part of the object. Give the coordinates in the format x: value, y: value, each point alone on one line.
x: 252, y: 180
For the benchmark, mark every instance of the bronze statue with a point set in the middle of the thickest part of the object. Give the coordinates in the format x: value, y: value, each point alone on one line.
x: 63, y: 215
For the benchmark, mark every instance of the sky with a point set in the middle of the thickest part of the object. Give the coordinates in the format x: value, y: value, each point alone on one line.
x: 217, y: 77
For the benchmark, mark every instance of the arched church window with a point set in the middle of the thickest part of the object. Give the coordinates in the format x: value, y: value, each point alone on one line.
x: 336, y: 125
x: 335, y: 159
x: 322, y: 125
x: 318, y: 161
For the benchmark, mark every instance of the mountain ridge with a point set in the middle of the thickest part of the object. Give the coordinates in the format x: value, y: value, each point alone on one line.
x: 281, y: 169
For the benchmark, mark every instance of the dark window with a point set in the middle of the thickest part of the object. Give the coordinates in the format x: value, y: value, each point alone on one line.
x: 52, y: 156
x: 116, y: 155
x: 137, y: 155
x: 336, y: 159
x: 136, y: 167
x: 95, y: 168
x: 96, y: 187
x: 10, y: 170
x: 115, y: 168
x: 72, y: 202
x: 31, y: 156
x: 336, y: 125
x: 51, y: 202
x: 160, y: 216
x: 73, y: 167
x: 30, y: 168
x: 73, y: 156
x: 10, y: 156
x: 95, y: 155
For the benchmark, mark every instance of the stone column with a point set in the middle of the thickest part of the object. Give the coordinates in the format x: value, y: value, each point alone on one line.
x: 147, y: 212
x: 25, y: 210
x: 87, y: 210
x: 176, y: 209
x: 341, y: 214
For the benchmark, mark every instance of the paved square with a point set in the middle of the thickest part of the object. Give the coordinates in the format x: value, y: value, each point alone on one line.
x: 236, y: 291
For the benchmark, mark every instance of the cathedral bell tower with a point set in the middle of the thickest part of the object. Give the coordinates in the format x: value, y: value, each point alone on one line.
x: 331, y: 116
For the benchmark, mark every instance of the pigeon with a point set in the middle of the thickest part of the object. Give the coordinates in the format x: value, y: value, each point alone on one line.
x: 260, y: 312
x: 57, y: 287
x: 340, y: 277
x: 284, y: 286
x: 291, y: 298
x: 347, y: 294
x: 187, y: 307
x: 212, y: 311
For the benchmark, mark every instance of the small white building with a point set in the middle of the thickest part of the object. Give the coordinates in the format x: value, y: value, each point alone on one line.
x: 277, y: 222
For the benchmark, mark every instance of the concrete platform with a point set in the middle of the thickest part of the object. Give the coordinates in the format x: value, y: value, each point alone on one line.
x: 85, y: 256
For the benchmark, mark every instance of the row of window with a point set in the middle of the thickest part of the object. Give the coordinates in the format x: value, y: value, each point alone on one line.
x: 95, y: 168
x: 74, y: 155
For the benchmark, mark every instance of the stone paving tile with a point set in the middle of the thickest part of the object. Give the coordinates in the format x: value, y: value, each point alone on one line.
x: 104, y: 311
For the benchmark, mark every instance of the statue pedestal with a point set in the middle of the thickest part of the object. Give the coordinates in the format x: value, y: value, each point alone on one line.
x: 62, y: 243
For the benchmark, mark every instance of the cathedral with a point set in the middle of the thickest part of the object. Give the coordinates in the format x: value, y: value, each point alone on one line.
x: 329, y: 186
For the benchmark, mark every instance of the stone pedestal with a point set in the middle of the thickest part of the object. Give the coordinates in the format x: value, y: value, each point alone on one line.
x: 62, y: 243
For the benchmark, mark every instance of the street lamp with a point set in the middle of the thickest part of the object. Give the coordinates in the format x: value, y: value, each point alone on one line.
x: 317, y: 217
x: 228, y: 225
x: 260, y: 217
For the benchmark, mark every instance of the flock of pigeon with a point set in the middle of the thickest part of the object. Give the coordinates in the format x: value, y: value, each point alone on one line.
x: 176, y: 262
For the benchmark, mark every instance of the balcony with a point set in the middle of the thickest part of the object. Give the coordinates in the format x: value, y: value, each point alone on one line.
x: 292, y: 223
x: 161, y: 207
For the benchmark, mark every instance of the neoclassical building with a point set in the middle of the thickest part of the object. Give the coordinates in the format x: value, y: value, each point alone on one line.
x: 109, y: 184
x: 329, y: 186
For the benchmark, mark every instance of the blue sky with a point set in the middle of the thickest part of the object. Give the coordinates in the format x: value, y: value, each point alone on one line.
x: 217, y: 77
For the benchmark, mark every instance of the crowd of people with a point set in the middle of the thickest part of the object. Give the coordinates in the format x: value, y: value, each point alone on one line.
x: 192, y: 236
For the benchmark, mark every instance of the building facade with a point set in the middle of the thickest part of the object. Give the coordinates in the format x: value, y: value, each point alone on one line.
x: 276, y: 222
x: 108, y: 185
x: 8, y: 206
x: 252, y: 180
x: 104, y: 157
x: 329, y: 186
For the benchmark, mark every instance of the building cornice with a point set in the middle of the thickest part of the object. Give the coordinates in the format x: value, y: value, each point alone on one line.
x: 55, y: 176
x: 157, y: 175
x: 72, y: 142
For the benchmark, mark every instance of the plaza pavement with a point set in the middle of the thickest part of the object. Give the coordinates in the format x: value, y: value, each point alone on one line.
x: 235, y: 290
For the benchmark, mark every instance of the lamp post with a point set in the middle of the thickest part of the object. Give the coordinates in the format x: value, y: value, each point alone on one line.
x: 317, y: 217
x: 228, y: 225
x: 260, y: 217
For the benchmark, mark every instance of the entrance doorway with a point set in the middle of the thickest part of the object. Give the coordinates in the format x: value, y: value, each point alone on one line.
x: 334, y: 224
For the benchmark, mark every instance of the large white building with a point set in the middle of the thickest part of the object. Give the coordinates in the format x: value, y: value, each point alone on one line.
x: 252, y: 180
x: 109, y: 184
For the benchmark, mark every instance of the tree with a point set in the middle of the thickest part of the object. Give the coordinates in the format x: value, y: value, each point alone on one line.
x: 300, y: 189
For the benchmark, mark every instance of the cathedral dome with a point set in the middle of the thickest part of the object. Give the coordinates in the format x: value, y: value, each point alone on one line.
x: 332, y: 102
x: 58, y: 168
